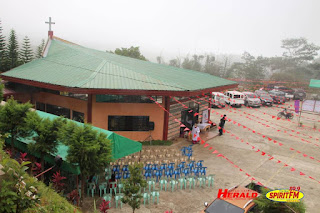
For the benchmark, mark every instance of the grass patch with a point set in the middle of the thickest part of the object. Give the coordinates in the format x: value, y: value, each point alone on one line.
x: 156, y: 143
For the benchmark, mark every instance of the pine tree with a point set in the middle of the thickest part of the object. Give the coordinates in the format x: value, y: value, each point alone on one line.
x: 2, y: 50
x: 13, y: 51
x: 40, y: 49
x: 26, y: 51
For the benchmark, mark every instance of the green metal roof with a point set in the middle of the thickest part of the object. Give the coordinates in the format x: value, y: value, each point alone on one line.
x: 71, y: 65
x: 121, y: 146
x: 314, y: 83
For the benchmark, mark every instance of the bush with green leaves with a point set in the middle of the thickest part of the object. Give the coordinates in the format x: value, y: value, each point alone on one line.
x: 264, y: 205
x: 88, y: 148
x: 132, y: 187
x: 16, y: 194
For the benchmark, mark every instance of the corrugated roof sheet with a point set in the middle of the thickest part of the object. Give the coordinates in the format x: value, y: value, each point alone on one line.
x: 71, y: 65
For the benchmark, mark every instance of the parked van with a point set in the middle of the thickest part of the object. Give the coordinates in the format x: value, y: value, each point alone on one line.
x: 218, y: 99
x: 234, y: 98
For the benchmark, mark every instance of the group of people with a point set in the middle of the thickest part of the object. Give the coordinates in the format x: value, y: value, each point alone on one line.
x: 196, y: 130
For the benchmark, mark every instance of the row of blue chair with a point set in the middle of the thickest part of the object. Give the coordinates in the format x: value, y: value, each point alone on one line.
x: 177, y: 173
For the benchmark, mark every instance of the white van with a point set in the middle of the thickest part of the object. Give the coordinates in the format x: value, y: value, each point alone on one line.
x: 218, y: 99
x: 234, y: 98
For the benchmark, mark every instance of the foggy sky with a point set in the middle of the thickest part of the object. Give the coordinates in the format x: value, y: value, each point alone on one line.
x: 168, y: 28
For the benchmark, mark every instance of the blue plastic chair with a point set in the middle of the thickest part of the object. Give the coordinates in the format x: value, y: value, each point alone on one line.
x: 169, y: 172
x: 181, y: 165
x: 177, y: 173
x: 191, y: 164
x: 126, y: 175
x: 147, y: 174
x: 125, y: 168
x: 118, y: 176
x: 199, y: 163
x: 158, y: 174
x: 147, y: 167
x: 186, y: 172
x: 196, y: 171
x: 203, y: 170
x: 183, y: 150
x: 163, y: 166
x: 171, y: 166
x: 189, y: 154
x: 116, y: 168
x: 155, y: 167
x: 190, y: 147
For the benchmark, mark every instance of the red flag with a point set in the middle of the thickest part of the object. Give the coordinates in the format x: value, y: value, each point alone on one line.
x: 270, y: 139
x: 263, y: 153
x: 286, y: 164
x: 248, y: 175
x: 280, y: 144
x: 220, y: 155
x: 240, y: 170
x: 302, y: 173
x: 215, y: 151
x: 279, y: 161
x: 210, y: 148
x: 206, y: 145
x: 292, y: 169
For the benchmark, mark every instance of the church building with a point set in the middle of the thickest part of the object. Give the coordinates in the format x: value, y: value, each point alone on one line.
x: 110, y: 91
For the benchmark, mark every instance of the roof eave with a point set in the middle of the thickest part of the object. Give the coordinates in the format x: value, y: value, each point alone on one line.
x: 117, y: 91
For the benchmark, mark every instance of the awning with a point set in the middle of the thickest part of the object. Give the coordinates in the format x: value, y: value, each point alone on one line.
x: 121, y: 146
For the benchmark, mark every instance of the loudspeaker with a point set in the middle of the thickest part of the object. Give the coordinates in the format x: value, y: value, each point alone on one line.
x: 151, y: 125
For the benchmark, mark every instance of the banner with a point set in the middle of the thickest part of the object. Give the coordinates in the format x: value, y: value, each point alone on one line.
x: 205, y: 116
x: 296, y: 106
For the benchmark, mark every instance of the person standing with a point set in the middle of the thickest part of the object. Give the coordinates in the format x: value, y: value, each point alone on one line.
x: 221, y: 124
x: 195, y: 134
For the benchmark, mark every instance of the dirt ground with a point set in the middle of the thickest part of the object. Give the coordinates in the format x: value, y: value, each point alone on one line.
x: 268, y: 172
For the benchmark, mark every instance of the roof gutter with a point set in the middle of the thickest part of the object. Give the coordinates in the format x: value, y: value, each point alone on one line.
x: 117, y: 91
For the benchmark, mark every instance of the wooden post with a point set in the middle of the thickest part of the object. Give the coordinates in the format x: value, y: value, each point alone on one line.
x: 89, y: 109
x: 166, y: 118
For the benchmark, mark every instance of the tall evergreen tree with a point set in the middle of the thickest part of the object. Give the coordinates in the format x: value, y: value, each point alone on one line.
x: 26, y: 51
x: 12, y: 50
x: 2, y: 50
x: 40, y: 49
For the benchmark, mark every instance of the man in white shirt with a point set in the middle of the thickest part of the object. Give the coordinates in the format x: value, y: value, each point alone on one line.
x: 195, y: 134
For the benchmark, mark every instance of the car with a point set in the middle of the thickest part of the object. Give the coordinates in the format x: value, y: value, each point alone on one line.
x: 278, y: 96
x: 259, y: 92
x: 288, y: 92
x: 234, y: 98
x: 231, y: 205
x: 266, y: 99
x: 218, y: 100
x: 251, y: 99
x: 299, y: 94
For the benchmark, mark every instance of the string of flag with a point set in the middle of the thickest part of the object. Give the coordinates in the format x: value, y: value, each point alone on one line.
x: 206, y: 145
x: 270, y: 157
x: 262, y: 135
x: 257, y: 150
x: 268, y: 126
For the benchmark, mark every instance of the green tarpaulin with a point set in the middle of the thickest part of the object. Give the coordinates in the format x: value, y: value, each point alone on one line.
x: 314, y: 83
x: 121, y: 146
